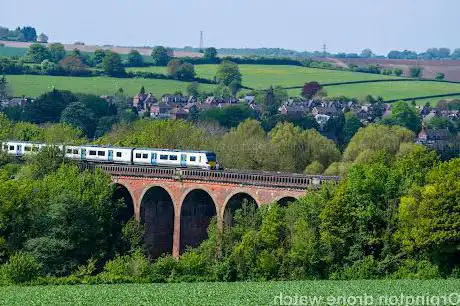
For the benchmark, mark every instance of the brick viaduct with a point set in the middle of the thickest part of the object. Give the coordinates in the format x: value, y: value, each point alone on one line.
x: 176, y: 205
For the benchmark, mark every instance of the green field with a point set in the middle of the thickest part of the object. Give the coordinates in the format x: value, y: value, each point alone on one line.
x: 246, y: 293
x: 391, y: 90
x: 34, y: 85
x: 11, y: 51
x: 263, y: 76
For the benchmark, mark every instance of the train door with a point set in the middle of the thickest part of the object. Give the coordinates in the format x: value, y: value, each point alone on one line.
x: 18, y: 150
x: 183, y: 160
x: 153, y: 159
x: 110, y: 155
x: 83, y: 154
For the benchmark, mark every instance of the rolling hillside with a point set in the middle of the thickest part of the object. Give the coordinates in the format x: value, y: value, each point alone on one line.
x: 34, y: 85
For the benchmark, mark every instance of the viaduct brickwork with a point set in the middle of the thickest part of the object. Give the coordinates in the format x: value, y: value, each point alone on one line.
x: 176, y: 205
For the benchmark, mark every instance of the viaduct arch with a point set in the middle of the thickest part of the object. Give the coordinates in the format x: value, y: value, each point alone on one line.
x: 176, y: 214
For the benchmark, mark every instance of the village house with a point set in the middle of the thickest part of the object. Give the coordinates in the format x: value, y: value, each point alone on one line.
x: 432, y: 136
x: 160, y: 111
x: 14, y: 101
x: 143, y: 102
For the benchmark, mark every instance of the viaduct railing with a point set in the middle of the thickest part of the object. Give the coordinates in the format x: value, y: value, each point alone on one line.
x: 271, y: 179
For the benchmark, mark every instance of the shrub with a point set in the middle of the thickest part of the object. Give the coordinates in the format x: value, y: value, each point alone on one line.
x: 416, y: 269
x: 163, y: 269
x: 22, y: 267
x: 191, y: 263
x: 362, y: 269
x: 134, y: 265
x: 132, y: 234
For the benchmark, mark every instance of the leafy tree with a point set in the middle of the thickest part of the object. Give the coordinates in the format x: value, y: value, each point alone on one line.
x: 135, y: 59
x: 366, y: 53
x: 48, y: 106
x: 43, y: 38
x: 352, y: 125
x: 271, y: 99
x: 428, y: 216
x: 25, y: 131
x: 397, y: 71
x: 4, y: 32
x: 441, y: 123
x: 113, y: 65
x: 79, y: 116
x: 193, y: 89
x: 376, y: 137
x: 406, y: 115
x: 37, y: 53
x: 314, y: 168
x: 228, y: 73
x: 440, y: 76
x: 229, y: 116
x: 4, y: 88
x: 456, y: 54
x: 6, y: 127
x: 98, y: 56
x: 74, y: 65
x: 210, y: 53
x: 310, y: 89
x: 416, y: 72
x: 62, y: 133
x: 222, y: 91
x: 180, y: 70
x: 22, y: 267
x: 57, y: 52
x: 29, y: 33
x: 161, y: 56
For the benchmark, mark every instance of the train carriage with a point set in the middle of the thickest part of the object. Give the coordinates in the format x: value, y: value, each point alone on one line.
x: 102, y: 154
x: 133, y: 156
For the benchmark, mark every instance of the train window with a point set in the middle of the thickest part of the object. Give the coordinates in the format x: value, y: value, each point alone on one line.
x: 173, y: 157
x: 164, y: 157
x: 5, y: 147
x: 118, y: 154
x: 69, y: 151
x: 145, y: 156
x: 92, y: 152
x: 19, y: 147
x: 75, y: 151
x: 200, y: 159
x: 138, y: 155
x: 192, y: 158
x: 35, y: 149
x: 27, y: 149
x: 11, y: 148
x: 100, y: 153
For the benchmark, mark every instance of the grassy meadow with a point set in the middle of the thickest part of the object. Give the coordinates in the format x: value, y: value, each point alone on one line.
x: 392, y: 90
x: 244, y: 293
x: 34, y: 85
x: 263, y: 76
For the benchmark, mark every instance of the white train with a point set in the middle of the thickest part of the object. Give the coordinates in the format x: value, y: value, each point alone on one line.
x: 133, y: 156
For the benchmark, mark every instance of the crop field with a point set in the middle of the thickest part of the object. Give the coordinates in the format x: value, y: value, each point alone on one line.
x: 263, y: 76
x: 246, y: 293
x: 34, y: 85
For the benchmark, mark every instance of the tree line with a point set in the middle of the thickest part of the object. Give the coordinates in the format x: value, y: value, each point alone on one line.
x: 393, y: 215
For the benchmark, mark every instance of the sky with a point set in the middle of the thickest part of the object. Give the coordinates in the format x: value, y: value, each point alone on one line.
x: 303, y: 25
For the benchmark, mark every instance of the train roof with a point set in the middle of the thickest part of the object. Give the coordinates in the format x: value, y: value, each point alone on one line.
x: 176, y: 150
x: 112, y: 147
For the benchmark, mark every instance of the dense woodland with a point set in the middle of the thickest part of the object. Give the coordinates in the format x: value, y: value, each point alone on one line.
x: 393, y: 215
